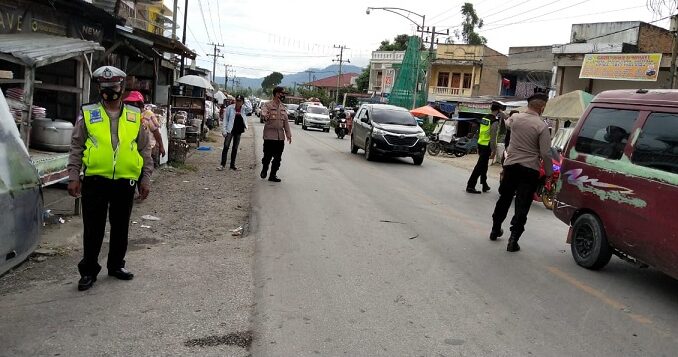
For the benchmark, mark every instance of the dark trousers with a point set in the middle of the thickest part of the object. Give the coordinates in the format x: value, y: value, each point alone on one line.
x: 273, y: 149
x: 102, y: 197
x: 521, y: 182
x: 480, y: 170
x: 230, y: 137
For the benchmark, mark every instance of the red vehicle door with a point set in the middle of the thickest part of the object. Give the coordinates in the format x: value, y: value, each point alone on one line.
x: 595, y: 178
x: 654, y: 175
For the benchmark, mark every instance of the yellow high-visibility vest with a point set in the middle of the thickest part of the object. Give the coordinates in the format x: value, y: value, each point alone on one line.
x: 100, y: 158
x: 484, y: 133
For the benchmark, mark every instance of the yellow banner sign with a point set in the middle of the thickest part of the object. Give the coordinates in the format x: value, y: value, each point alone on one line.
x: 622, y: 67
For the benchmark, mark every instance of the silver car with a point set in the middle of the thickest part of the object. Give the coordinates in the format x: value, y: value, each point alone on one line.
x: 316, y: 117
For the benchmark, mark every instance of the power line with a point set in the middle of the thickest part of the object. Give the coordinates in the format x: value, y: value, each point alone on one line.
x: 534, y: 17
x: 578, y: 16
x: 585, y: 40
x: 214, y: 29
x: 221, y: 32
x: 446, y: 11
x: 504, y: 9
x: 194, y: 38
x: 204, y: 21
x: 475, y: 6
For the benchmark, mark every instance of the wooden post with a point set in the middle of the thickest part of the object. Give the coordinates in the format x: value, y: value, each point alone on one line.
x: 29, y: 81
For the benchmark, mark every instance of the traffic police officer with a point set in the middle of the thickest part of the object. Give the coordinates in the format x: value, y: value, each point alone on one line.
x: 487, y: 139
x: 110, y: 146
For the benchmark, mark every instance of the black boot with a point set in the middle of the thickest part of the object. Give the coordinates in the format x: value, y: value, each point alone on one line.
x: 121, y: 273
x: 496, y: 233
x: 486, y: 188
x: 512, y: 245
x: 264, y: 172
x: 274, y: 177
x: 86, y: 282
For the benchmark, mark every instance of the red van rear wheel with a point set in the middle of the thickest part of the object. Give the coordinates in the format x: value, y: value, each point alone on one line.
x: 589, y: 243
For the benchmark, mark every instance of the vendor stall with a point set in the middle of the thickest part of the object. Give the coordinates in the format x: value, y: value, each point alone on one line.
x: 567, y: 107
x: 47, y: 79
x: 188, y: 105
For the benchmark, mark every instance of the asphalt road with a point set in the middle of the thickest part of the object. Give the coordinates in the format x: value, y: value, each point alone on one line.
x: 387, y: 258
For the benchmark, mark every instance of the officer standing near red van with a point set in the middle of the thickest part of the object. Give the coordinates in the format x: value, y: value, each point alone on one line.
x: 111, y: 147
x: 530, y: 141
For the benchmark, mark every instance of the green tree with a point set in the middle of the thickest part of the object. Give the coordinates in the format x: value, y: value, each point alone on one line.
x: 363, y: 81
x: 471, y: 21
x: 399, y: 43
x: 271, y: 81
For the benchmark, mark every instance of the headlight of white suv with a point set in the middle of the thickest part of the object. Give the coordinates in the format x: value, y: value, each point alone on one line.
x: 376, y: 131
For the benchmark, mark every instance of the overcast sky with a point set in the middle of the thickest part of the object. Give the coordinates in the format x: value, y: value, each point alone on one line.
x: 290, y: 36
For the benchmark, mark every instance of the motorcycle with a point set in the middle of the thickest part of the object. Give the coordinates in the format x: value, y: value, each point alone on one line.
x: 546, y: 192
x: 435, y: 145
x: 342, y: 128
x: 465, y: 146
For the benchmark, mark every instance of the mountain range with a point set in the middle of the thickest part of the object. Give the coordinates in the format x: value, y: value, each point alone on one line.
x: 301, y: 77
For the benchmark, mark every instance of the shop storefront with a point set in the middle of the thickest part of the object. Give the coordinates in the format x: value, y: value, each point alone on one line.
x: 46, y: 58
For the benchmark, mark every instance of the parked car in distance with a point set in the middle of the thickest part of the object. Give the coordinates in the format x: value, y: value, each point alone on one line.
x: 291, y: 111
x: 301, y: 110
x: 257, y: 111
x: 618, y: 186
x: 316, y: 116
x: 387, y: 130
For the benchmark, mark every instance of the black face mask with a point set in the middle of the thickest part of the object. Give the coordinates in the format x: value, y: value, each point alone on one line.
x: 282, y: 98
x: 109, y: 95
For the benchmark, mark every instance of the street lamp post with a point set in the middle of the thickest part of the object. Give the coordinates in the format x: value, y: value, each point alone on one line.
x: 399, y: 11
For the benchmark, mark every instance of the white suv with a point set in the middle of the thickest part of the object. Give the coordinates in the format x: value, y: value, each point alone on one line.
x: 316, y: 116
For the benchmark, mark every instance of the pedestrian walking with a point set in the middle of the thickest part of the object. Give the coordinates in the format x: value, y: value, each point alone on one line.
x: 111, y: 147
x: 276, y: 129
x: 234, y: 124
x: 530, y: 141
x: 487, y: 142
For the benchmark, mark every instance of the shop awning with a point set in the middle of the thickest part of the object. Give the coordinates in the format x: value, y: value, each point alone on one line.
x: 36, y: 49
x: 156, y: 41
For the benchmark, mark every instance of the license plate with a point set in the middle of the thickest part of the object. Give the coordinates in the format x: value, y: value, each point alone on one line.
x: 342, y: 125
x: 400, y: 148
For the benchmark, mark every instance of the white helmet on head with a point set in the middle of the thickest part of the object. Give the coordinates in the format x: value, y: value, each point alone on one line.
x: 108, y: 76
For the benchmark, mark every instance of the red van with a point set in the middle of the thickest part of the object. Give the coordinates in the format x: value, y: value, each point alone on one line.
x: 618, y: 188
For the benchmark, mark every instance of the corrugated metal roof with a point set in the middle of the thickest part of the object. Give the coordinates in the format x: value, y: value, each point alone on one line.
x: 106, y: 5
x: 36, y: 49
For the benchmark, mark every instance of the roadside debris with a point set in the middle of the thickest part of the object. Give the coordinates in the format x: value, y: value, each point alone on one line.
x: 387, y: 221
x: 236, y: 232
x: 417, y: 236
x: 148, y: 217
x: 144, y: 226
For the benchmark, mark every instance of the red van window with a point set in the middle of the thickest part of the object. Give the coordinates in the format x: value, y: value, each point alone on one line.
x: 657, y: 145
x: 605, y: 132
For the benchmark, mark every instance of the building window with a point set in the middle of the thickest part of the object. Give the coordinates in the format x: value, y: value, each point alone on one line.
x: 657, y: 145
x: 443, y: 79
x: 467, y: 80
x: 456, y: 80
x: 606, y: 132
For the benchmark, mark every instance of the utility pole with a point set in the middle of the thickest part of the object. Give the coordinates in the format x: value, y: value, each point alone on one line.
x: 431, y: 31
x: 341, y: 62
x: 309, y: 78
x: 226, y: 76
x: 674, y: 51
x: 174, y: 19
x: 183, y: 39
x: 233, y: 80
x: 215, y: 56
